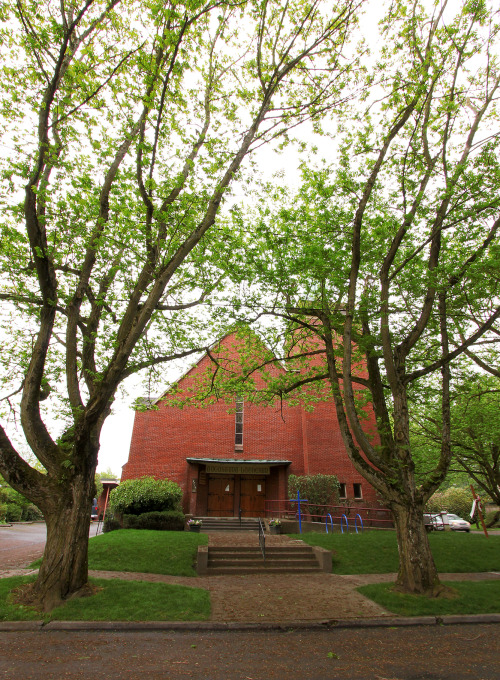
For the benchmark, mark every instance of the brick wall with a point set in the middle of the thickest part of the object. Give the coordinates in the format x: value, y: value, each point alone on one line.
x: 162, y: 439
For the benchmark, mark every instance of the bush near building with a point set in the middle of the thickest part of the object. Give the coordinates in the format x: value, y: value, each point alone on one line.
x: 148, y: 503
x: 319, y: 490
x: 169, y: 520
x: 456, y: 500
x: 16, y: 508
x: 146, y: 494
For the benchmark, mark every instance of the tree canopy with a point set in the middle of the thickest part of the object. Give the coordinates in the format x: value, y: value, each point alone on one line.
x: 127, y: 124
x: 389, y: 257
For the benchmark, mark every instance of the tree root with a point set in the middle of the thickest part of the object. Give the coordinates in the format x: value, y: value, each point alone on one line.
x: 438, y: 591
x: 27, y: 596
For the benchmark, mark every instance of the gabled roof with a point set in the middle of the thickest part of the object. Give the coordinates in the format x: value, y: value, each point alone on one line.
x: 152, y: 401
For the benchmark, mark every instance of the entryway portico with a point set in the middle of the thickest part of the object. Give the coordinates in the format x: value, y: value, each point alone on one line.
x: 227, y: 487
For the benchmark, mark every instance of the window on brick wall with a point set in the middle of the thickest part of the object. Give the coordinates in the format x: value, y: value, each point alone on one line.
x: 238, y: 433
x: 357, y: 491
x: 342, y: 490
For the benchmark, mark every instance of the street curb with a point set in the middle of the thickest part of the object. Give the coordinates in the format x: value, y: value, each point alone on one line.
x: 17, y: 626
x: 206, y: 626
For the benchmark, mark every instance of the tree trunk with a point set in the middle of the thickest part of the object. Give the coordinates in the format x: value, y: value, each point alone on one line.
x: 417, y: 570
x: 64, y: 570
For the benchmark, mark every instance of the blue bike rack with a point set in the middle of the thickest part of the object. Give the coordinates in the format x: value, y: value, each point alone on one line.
x: 346, y: 524
x: 299, y: 513
x: 326, y: 523
x: 356, y: 523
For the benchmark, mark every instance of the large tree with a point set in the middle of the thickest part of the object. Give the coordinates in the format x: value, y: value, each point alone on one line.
x: 382, y: 259
x: 126, y: 124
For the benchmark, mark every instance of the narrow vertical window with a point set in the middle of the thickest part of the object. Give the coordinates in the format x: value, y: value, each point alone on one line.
x: 342, y: 490
x: 238, y: 436
x: 357, y: 491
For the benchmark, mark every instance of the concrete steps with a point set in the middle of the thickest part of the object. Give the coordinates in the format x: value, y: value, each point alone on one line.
x: 228, y: 524
x: 241, y: 560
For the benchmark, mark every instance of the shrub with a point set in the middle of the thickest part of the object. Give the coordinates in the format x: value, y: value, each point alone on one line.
x: 32, y: 513
x: 492, y: 518
x: 15, y: 504
x: 110, y: 524
x: 455, y: 500
x: 130, y: 521
x: 169, y: 520
x: 317, y: 489
x: 14, y: 512
x: 146, y: 494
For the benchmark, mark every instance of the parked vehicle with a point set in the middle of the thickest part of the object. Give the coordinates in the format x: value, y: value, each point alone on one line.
x: 433, y: 521
x: 457, y: 523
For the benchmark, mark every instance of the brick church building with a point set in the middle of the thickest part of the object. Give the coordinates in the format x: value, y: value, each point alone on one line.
x: 237, y: 456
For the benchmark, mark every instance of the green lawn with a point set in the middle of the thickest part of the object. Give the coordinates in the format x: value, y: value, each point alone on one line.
x: 115, y: 601
x: 472, y: 597
x: 150, y: 552
x: 376, y: 552
x: 154, y: 552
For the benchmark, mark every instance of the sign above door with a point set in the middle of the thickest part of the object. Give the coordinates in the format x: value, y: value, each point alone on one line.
x: 237, y: 469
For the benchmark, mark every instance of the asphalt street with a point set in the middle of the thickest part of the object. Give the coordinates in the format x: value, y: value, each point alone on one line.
x: 31, y: 533
x: 21, y: 544
x: 455, y: 652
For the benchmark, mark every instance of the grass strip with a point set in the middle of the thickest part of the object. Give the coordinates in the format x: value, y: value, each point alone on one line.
x: 472, y: 597
x: 376, y: 552
x: 115, y: 601
x: 153, y: 552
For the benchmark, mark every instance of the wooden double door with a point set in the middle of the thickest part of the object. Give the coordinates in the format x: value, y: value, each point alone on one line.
x: 252, y: 496
x: 220, y: 496
x: 228, y: 493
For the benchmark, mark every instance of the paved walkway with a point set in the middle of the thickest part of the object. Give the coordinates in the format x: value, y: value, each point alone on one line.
x: 274, y: 598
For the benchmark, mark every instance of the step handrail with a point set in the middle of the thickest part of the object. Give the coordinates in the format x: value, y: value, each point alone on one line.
x: 262, y: 539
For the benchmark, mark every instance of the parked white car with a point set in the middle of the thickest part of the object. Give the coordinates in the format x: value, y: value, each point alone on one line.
x: 434, y: 522
x: 457, y: 523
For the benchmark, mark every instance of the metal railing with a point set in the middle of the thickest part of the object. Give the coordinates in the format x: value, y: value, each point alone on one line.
x: 370, y: 517
x: 262, y: 539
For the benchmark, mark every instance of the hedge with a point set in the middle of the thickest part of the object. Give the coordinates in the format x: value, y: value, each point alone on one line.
x: 110, y: 524
x: 455, y: 500
x: 319, y: 490
x: 146, y: 494
x: 169, y: 520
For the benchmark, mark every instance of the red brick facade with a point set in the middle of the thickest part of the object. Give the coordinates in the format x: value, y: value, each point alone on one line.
x: 185, y: 444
